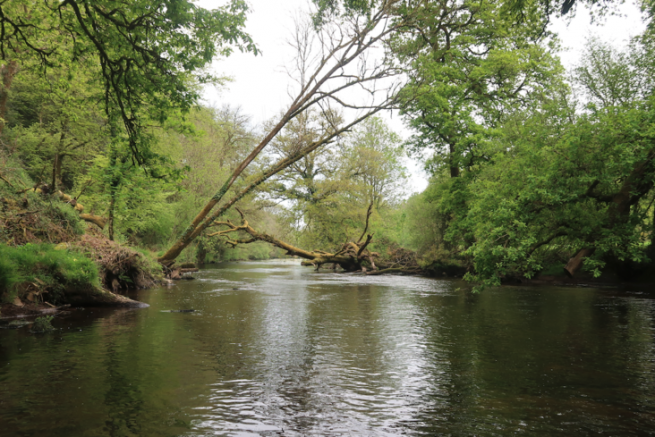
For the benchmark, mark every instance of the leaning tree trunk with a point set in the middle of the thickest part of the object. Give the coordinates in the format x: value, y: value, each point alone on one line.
x: 204, y: 220
x: 634, y: 187
x: 576, y: 262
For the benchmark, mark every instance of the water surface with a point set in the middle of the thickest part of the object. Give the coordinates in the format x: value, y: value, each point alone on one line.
x: 277, y: 349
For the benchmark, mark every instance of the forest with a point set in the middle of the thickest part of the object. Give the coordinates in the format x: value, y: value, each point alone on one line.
x: 426, y: 218
x: 115, y: 174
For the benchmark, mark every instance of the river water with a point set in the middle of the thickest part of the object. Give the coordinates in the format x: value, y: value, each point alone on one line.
x: 274, y: 348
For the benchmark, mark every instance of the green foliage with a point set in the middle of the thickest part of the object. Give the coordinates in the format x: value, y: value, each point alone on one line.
x: 54, y: 122
x: 29, y: 216
x: 137, y: 203
x: 65, y: 216
x: 326, y: 9
x: 43, y: 324
x: 560, y: 194
x: 54, y: 271
x: 558, y: 177
x: 330, y: 190
x: 470, y: 66
x: 147, y: 56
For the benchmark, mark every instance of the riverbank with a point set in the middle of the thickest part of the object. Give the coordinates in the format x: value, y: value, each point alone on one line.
x: 38, y: 278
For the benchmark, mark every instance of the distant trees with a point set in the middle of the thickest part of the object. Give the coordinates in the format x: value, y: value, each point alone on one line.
x: 328, y: 191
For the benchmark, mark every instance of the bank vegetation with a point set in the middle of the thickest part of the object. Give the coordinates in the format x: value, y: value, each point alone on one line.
x: 113, y: 173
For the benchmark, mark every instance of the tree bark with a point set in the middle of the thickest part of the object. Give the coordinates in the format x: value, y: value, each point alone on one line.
x: 7, y: 74
x: 576, y: 262
x: 101, y: 222
x: 112, y: 204
x: 635, y: 186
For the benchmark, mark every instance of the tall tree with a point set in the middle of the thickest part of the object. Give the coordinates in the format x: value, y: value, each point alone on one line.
x: 573, y: 185
x: 470, y: 65
x: 150, y: 55
x: 374, y: 161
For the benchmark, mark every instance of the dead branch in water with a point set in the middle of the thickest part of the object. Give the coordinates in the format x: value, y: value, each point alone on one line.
x: 353, y: 256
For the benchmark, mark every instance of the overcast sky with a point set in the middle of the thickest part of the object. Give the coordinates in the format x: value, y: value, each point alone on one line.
x: 260, y: 83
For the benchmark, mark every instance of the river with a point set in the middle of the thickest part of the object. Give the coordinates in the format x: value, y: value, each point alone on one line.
x: 274, y: 348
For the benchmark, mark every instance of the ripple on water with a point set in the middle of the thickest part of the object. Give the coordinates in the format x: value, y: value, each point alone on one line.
x: 293, y: 352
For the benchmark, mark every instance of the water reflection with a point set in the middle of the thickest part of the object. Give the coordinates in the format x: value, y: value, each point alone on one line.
x: 276, y: 349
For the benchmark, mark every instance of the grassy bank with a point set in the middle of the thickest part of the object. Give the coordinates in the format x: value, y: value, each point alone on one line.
x: 41, y: 273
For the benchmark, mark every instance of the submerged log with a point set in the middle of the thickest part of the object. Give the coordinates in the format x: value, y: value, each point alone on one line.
x: 100, y: 297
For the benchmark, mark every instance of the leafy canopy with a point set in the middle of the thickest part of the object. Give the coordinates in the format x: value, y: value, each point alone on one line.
x: 149, y: 55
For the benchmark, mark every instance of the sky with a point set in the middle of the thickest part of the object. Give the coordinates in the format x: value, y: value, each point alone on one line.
x: 259, y: 84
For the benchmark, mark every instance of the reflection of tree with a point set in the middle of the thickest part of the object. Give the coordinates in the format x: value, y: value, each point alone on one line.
x: 526, y: 355
x: 123, y: 399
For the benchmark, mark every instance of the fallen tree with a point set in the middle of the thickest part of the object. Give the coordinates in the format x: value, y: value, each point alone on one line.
x: 333, y: 69
x: 352, y: 256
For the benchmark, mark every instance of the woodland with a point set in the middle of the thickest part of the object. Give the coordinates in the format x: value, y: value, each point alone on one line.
x: 114, y: 173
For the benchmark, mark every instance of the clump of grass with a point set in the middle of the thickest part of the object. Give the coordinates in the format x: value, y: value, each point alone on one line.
x: 40, y: 271
x: 43, y: 324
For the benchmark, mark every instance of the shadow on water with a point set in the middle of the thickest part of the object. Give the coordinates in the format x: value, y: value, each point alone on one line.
x: 277, y: 349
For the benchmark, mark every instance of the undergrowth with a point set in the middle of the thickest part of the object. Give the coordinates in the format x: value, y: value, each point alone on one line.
x: 43, y: 324
x: 29, y: 217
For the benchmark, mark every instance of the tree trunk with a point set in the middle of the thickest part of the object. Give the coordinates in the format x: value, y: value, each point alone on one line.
x: 101, y: 222
x: 56, y: 166
x: 7, y: 73
x: 112, y: 204
x: 96, y: 297
x: 576, y: 262
x: 454, y: 169
x: 634, y: 187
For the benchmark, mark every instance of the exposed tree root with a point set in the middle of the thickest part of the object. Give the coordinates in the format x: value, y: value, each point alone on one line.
x: 121, y: 268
